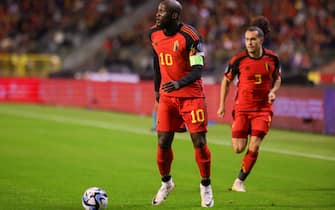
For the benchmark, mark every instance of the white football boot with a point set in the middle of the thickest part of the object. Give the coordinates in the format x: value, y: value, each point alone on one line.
x: 163, y: 192
x: 206, y: 193
x: 238, y: 186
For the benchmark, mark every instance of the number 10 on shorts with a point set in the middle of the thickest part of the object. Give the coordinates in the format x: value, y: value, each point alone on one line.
x: 198, y: 115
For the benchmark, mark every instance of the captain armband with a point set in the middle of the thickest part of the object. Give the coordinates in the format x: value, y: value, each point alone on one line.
x: 196, y: 60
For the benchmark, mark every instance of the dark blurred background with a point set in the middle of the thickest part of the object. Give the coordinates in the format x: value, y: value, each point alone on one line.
x: 98, y: 39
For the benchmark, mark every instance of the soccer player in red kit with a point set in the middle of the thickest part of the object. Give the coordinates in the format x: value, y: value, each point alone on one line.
x: 178, y: 62
x: 257, y: 71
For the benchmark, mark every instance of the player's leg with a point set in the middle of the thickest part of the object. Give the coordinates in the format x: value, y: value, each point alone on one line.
x: 168, y: 118
x: 250, y: 157
x: 195, y: 116
x: 202, y: 155
x: 239, y: 144
x: 260, y: 124
x: 164, y: 161
x: 248, y: 162
x: 203, y: 160
x: 240, y: 131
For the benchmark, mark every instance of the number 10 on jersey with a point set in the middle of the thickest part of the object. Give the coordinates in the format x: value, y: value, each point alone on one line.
x: 166, y: 59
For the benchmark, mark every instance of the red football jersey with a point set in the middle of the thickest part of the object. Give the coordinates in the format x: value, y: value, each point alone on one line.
x: 173, y: 53
x: 255, y: 79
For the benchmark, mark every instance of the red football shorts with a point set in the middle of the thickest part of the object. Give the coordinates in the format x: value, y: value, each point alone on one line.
x: 251, y: 123
x: 173, y: 112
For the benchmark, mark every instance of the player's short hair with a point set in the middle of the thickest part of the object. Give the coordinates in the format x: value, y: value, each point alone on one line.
x: 255, y: 28
x: 174, y: 6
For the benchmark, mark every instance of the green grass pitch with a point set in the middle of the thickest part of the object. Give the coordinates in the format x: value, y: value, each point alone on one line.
x: 50, y: 155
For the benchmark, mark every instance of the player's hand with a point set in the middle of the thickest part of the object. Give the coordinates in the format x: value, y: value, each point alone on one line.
x: 271, y: 97
x: 221, y: 112
x: 170, y: 86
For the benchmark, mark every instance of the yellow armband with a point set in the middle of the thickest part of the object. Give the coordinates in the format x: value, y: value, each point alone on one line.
x: 196, y: 60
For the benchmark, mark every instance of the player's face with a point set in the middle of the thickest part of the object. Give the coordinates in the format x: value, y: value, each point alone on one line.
x: 162, y: 16
x: 253, y: 42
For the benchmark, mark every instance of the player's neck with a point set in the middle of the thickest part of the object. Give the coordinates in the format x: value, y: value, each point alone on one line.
x: 257, y: 53
x: 171, y: 29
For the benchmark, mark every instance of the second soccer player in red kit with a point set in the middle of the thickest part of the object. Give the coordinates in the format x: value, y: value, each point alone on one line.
x: 178, y: 62
x: 257, y: 71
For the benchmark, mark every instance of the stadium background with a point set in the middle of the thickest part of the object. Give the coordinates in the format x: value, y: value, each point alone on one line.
x: 91, y: 53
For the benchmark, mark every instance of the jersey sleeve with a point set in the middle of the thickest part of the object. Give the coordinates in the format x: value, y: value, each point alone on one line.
x: 197, y: 53
x: 156, y: 68
x: 194, y: 45
x: 233, y: 66
x: 231, y: 70
x: 157, y: 73
x: 277, y: 72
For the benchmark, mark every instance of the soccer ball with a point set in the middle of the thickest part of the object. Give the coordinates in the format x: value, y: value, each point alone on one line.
x: 94, y: 198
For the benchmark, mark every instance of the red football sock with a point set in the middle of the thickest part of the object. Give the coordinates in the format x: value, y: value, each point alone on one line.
x: 164, y: 160
x: 248, y: 161
x: 203, y: 159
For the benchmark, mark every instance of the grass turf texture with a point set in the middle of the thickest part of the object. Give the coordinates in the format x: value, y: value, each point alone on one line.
x: 50, y: 155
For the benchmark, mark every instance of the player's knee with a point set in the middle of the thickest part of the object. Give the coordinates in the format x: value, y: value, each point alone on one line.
x: 238, y: 149
x: 199, y: 143
x: 260, y: 134
x: 239, y: 144
x: 198, y: 139
x: 164, y: 146
x: 239, y: 140
x: 165, y: 140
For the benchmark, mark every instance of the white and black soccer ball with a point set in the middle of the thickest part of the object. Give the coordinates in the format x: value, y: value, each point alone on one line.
x: 94, y: 198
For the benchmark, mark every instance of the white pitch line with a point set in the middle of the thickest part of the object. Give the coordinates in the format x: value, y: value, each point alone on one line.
x: 108, y: 125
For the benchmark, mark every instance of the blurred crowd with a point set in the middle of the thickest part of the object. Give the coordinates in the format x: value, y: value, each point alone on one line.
x: 303, y: 31
x: 55, y: 26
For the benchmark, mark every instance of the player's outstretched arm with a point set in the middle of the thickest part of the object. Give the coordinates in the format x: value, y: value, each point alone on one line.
x: 223, y: 94
x: 272, y: 93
